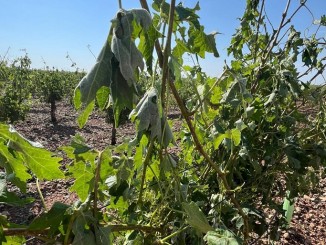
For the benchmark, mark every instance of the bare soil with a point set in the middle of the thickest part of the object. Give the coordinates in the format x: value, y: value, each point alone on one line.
x: 307, y: 227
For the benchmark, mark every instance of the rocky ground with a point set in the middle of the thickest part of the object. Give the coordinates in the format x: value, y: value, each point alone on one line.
x: 307, y: 227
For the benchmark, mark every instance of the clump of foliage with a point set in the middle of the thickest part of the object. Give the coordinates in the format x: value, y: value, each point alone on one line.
x: 245, y: 144
x: 54, y: 85
x: 15, y: 95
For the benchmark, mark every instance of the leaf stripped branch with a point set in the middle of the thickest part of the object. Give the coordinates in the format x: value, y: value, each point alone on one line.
x: 113, y: 228
x: 274, y: 42
x: 199, y: 146
x: 166, y: 54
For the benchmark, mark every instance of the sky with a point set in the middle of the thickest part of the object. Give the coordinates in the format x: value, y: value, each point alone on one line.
x: 49, y: 30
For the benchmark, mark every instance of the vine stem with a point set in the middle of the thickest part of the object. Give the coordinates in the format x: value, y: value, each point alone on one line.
x: 40, y: 194
x: 113, y: 228
x: 146, y: 161
x: 174, y: 234
x: 97, y: 179
x: 69, y: 228
x: 198, y: 145
x: 167, y: 51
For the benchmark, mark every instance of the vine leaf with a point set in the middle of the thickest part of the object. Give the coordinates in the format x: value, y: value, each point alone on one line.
x: 102, y: 235
x: 149, y: 119
x: 83, y: 236
x: 83, y: 117
x: 122, y: 94
x: 188, y: 14
x: 10, y: 198
x: 114, y: 71
x: 201, y: 42
x: 84, y: 179
x: 196, y: 217
x: 40, y: 161
x: 146, y: 46
x: 16, y: 171
x: 221, y: 237
x: 51, y: 219
x: 122, y: 45
x: 83, y: 167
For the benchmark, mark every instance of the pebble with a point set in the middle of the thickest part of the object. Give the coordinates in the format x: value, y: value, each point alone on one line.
x: 286, y: 235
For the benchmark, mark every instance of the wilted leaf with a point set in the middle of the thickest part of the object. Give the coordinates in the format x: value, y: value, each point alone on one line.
x: 122, y: 45
x: 149, y: 119
x: 123, y: 96
x: 97, y: 77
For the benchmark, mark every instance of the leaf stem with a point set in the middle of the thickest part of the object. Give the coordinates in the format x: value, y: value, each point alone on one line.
x: 40, y: 194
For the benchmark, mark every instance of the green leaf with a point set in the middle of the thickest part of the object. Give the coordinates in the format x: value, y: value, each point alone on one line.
x: 13, y: 164
x: 175, y: 67
x: 236, y: 136
x: 201, y: 43
x: 51, y: 219
x: 83, y: 236
x: 288, y: 207
x: 146, y: 45
x: 102, y: 97
x: 218, y: 140
x: 83, y: 117
x: 39, y: 160
x: 188, y: 14
x: 10, y: 198
x: 14, y: 240
x: 78, y: 145
x: 102, y: 235
x: 83, y: 171
x: 221, y: 237
x: 196, y: 217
